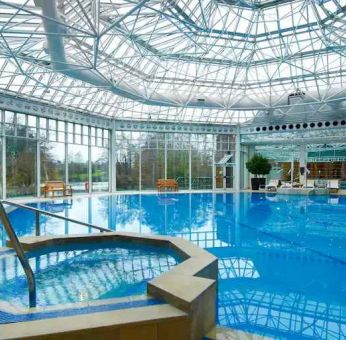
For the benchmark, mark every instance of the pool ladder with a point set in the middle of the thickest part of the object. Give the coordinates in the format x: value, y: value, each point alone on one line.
x: 21, y: 255
x: 18, y: 247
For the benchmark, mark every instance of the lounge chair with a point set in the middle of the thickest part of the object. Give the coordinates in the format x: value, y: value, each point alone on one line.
x: 320, y: 183
x: 333, y: 185
x: 286, y: 185
x: 273, y: 185
x: 57, y: 186
x: 310, y: 184
x: 170, y: 184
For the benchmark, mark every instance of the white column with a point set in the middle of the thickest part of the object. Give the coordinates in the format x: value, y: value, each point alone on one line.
x: 292, y: 168
x: 140, y: 169
x: 3, y: 155
x: 66, y: 154
x: 38, y: 158
x: 38, y: 165
x: 190, y: 165
x: 112, y: 162
x: 165, y: 155
x: 246, y: 173
x: 89, y: 164
x: 302, y: 164
x: 237, y: 167
x: 213, y: 168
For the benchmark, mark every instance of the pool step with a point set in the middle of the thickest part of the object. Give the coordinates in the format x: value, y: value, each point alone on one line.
x: 223, y: 333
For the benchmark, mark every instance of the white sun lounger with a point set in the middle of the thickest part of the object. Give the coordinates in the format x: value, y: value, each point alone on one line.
x: 333, y: 185
x: 272, y: 185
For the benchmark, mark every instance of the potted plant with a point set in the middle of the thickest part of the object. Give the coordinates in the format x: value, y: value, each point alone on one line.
x: 258, y: 165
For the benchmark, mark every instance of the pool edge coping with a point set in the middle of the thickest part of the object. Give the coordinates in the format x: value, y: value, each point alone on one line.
x: 189, y: 287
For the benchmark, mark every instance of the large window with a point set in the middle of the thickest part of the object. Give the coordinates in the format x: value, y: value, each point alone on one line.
x: 178, y: 167
x: 144, y: 157
x: 128, y: 160
x: 99, y: 168
x: 152, y: 159
x: 178, y: 158
x: 78, y: 172
x: 80, y: 155
x: 128, y: 169
x: 1, y: 177
x: 202, y: 162
x: 52, y: 161
x: 153, y: 167
x: 20, y: 167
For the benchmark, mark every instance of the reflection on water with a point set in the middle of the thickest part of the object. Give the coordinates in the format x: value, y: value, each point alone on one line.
x: 84, y: 272
x: 282, y: 259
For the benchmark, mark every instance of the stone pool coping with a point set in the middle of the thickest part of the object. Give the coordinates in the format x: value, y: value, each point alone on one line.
x: 187, y: 293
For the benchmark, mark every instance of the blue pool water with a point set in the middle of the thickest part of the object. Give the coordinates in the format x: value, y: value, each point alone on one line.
x: 84, y: 272
x: 282, y: 259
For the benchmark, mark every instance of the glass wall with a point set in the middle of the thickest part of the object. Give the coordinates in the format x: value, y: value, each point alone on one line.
x: 20, y: 167
x: 52, y: 161
x: 202, y: 148
x: 128, y: 160
x: 153, y: 167
x: 100, y: 168
x: 144, y: 157
x: 178, y: 159
x: 78, y: 167
x: 152, y: 159
x: 56, y: 143
x: 1, y: 165
x: 178, y: 167
x: 80, y: 155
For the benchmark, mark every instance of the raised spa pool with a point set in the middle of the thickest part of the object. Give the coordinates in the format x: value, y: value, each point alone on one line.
x: 84, y: 272
x: 282, y: 259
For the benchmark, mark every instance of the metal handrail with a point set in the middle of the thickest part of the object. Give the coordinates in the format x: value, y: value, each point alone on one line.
x: 21, y: 255
x: 39, y: 211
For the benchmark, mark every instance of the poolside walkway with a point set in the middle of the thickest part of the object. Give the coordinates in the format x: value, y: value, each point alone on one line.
x: 223, y: 333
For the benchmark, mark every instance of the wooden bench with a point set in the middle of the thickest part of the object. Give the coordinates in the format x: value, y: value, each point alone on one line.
x: 170, y: 184
x: 57, y: 186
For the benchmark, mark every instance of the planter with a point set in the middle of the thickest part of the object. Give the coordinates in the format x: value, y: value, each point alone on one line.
x: 257, y: 182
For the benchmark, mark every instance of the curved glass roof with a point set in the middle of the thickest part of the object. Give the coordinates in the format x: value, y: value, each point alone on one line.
x: 179, y: 60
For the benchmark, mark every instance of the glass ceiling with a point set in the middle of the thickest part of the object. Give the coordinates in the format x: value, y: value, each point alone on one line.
x: 215, y: 61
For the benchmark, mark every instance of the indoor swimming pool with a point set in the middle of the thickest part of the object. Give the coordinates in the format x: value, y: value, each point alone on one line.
x: 282, y: 259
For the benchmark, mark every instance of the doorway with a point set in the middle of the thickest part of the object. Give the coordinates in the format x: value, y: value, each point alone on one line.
x: 223, y: 177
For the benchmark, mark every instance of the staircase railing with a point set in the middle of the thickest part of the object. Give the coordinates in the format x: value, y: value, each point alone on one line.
x: 18, y: 247
x: 21, y: 255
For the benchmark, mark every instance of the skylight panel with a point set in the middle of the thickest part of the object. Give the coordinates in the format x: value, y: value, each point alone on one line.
x: 219, y: 52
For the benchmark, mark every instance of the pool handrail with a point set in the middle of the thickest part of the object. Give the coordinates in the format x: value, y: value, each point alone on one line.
x: 39, y: 211
x: 20, y: 254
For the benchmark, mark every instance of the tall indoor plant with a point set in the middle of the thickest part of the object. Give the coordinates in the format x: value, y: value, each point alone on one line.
x: 258, y: 165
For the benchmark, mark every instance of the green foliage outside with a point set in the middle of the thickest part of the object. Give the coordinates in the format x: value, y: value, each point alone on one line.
x: 21, y: 164
x: 258, y: 165
x: 153, y: 164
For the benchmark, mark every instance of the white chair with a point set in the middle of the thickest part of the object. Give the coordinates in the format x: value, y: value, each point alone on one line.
x: 333, y: 185
x: 310, y: 183
x: 272, y: 185
x: 321, y: 183
x: 286, y: 185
